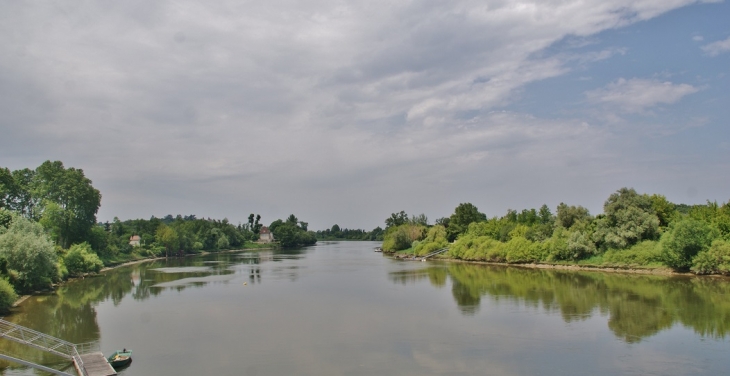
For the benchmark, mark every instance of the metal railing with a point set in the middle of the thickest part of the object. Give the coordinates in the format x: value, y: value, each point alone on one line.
x: 45, y: 342
x: 434, y: 253
x: 87, y: 347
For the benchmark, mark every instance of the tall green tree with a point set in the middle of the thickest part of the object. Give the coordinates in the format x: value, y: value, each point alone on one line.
x: 568, y: 215
x: 168, y: 237
x: 628, y: 219
x: 464, y: 214
x: 396, y: 219
x: 68, y: 202
x: 665, y: 211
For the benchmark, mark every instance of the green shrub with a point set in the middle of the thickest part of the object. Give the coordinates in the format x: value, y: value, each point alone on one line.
x: 7, y: 295
x: 642, y: 253
x: 32, y: 260
x: 715, y: 260
x: 81, y: 260
x: 401, y: 237
x: 558, y: 245
x: 435, y: 239
x: 580, y: 245
x: 521, y: 250
x: 684, y: 240
x: 478, y: 248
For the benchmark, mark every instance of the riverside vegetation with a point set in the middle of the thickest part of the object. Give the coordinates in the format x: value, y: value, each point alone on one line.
x: 634, y: 231
x: 49, y: 231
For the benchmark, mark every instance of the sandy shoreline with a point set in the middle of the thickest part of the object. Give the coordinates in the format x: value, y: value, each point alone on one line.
x: 589, y: 268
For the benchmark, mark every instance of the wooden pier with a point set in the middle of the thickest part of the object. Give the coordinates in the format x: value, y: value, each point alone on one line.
x: 94, y: 364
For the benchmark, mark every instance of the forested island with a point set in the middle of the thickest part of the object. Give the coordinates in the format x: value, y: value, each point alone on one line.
x: 49, y: 231
x: 634, y: 231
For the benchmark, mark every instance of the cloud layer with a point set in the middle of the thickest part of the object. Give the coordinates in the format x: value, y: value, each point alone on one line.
x: 338, y: 111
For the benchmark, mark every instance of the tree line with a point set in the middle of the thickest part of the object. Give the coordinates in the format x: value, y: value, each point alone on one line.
x: 337, y: 233
x: 634, y: 230
x: 49, y: 231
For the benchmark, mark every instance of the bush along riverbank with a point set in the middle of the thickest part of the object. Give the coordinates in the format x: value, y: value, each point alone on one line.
x: 635, y: 231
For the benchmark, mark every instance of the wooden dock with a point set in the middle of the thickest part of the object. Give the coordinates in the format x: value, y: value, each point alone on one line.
x: 95, y: 364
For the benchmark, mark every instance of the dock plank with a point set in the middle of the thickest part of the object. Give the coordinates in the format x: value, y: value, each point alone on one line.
x: 96, y: 365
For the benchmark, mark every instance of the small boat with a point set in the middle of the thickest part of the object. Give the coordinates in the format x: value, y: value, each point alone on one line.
x: 120, y: 358
x: 378, y: 249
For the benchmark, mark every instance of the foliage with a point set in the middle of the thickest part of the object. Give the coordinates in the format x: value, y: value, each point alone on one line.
x: 396, y: 219
x: 521, y: 250
x: 292, y: 233
x: 642, y: 253
x: 464, y: 215
x: 628, y: 219
x: 402, y: 237
x: 81, y: 259
x: 435, y: 239
x: 478, y: 248
x: 72, y: 198
x: 665, y: 211
x: 337, y: 233
x: 685, y: 239
x: 31, y: 258
x: 569, y: 215
x: 7, y: 295
x: 715, y: 260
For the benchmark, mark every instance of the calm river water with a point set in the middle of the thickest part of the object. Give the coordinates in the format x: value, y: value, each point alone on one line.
x: 339, y: 308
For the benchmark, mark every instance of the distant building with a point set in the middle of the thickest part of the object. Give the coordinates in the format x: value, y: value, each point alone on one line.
x: 134, y: 241
x: 265, y: 235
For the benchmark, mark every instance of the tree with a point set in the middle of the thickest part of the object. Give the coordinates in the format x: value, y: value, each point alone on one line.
x: 568, y: 215
x: 685, y: 239
x: 8, y: 189
x: 420, y: 219
x: 81, y: 260
x: 545, y: 215
x: 290, y: 235
x: 292, y: 219
x: 168, y: 238
x: 464, y: 214
x: 31, y: 259
x: 664, y: 210
x: 68, y: 202
x: 628, y: 219
x: 396, y: 219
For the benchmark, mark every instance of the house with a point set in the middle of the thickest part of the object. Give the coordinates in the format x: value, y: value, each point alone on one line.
x: 134, y: 241
x: 265, y: 235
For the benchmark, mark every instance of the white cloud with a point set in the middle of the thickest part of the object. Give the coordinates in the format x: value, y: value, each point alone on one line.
x: 290, y: 106
x: 716, y: 48
x: 637, y: 95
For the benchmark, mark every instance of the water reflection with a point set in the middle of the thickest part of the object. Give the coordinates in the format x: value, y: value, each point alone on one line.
x: 69, y: 312
x: 638, y: 306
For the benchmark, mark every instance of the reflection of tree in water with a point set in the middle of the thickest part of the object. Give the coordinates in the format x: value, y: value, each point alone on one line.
x: 638, y: 306
x: 69, y: 312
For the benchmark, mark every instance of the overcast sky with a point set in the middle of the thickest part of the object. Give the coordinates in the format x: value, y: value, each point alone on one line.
x: 346, y: 111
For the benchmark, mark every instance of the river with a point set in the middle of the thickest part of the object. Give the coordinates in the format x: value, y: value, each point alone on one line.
x: 339, y: 308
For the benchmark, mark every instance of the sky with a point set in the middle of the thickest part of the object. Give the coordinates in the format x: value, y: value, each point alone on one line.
x: 343, y: 112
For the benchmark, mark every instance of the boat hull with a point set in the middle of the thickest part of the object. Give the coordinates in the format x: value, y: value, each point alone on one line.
x: 120, y: 359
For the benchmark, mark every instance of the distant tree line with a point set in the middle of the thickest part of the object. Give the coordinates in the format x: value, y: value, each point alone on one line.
x: 634, y: 230
x: 336, y: 233
x: 49, y: 231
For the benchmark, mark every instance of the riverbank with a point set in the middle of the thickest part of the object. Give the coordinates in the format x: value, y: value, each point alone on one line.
x: 665, y: 271
x: 23, y: 298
